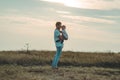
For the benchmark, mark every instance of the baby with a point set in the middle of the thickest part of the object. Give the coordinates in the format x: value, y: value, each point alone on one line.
x: 64, y: 33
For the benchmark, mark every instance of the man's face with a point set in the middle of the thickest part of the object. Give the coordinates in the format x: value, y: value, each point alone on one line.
x: 59, y: 26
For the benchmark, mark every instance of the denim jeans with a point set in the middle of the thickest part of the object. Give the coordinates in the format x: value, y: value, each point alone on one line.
x: 57, y: 57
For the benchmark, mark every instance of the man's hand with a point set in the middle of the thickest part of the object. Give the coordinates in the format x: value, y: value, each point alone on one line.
x: 61, y: 37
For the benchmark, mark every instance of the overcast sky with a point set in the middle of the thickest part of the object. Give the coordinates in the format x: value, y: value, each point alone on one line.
x: 92, y: 25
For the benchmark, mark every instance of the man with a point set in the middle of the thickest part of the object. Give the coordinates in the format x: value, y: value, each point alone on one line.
x: 58, y: 38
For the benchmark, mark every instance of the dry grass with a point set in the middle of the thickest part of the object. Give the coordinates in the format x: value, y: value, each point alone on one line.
x: 19, y: 65
x: 67, y: 59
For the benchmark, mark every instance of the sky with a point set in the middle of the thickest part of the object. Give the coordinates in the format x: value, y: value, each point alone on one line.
x: 92, y: 25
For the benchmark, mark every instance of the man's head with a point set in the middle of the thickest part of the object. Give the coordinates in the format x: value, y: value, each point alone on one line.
x: 58, y: 25
x: 63, y: 27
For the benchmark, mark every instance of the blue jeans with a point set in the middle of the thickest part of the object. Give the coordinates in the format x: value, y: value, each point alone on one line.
x: 57, y: 57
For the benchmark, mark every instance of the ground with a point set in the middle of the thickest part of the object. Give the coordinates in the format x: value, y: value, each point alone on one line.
x: 36, y: 65
x: 18, y: 72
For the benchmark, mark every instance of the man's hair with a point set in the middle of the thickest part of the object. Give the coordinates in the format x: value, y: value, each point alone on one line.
x: 58, y: 23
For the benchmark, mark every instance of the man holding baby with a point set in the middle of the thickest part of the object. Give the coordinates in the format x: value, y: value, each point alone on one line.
x: 59, y: 37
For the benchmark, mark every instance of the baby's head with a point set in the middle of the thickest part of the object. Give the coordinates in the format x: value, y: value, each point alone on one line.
x: 63, y: 27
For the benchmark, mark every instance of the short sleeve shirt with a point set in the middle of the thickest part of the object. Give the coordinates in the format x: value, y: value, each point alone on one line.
x: 56, y: 37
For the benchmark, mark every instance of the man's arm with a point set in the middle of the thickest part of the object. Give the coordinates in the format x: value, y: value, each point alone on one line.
x: 61, y: 37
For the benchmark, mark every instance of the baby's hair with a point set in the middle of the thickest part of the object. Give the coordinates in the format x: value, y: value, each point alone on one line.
x: 64, y: 26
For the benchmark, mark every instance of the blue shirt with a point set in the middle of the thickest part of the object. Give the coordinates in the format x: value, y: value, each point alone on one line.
x: 56, y: 38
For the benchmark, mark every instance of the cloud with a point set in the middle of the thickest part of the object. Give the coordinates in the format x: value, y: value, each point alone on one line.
x: 89, y: 4
x: 24, y: 19
x: 25, y: 25
x: 102, y: 4
x: 111, y: 17
x: 79, y: 32
x: 31, y: 26
x: 88, y: 19
x: 63, y: 12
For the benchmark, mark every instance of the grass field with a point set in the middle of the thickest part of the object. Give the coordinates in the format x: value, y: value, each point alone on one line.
x: 19, y: 65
